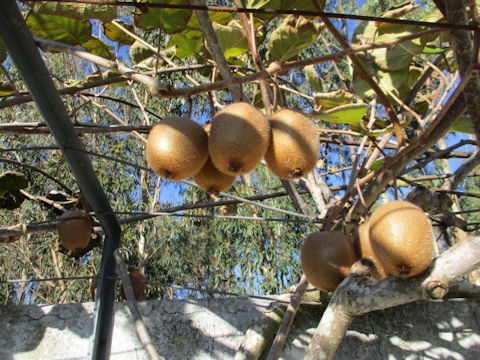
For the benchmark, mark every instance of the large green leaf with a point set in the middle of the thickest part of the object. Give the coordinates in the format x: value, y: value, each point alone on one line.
x: 115, y: 34
x: 75, y: 11
x: 139, y: 52
x: 97, y: 47
x: 400, y: 10
x: 312, y: 77
x: 350, y: 114
x: 464, y: 125
x: 59, y: 28
x: 293, y: 35
x: 388, y: 81
x: 332, y: 99
x: 388, y: 59
x: 10, y: 184
x: 170, y: 20
x: 232, y: 39
x: 302, y: 5
x: 185, y: 46
x: 262, y: 4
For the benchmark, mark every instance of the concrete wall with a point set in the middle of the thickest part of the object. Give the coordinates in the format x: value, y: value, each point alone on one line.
x: 213, y: 329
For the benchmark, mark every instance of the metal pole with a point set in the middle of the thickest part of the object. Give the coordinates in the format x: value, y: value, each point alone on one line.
x: 20, y: 45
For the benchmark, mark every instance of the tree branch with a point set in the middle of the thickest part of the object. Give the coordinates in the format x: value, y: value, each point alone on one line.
x: 215, y: 49
x: 155, y: 86
x: 451, y: 112
x: 363, y: 73
x: 463, y: 171
x: 461, y: 42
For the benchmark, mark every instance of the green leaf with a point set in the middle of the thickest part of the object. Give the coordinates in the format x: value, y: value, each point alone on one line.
x: 464, y: 125
x: 332, y: 99
x: 312, y: 77
x: 232, y: 39
x: 377, y: 163
x: 110, y: 74
x: 10, y: 184
x: 99, y: 48
x: 389, y: 59
x: 185, y: 46
x: 139, y: 52
x: 75, y: 11
x: 170, y: 20
x: 350, y: 114
x: 115, y: 34
x: 291, y: 37
x: 6, y: 88
x: 400, y: 10
x: 59, y: 28
x: 432, y: 49
x: 389, y: 81
x: 263, y: 4
x: 301, y: 5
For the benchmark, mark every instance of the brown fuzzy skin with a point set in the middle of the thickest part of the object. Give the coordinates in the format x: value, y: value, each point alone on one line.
x: 365, y: 249
x: 294, y: 144
x: 401, y: 237
x: 326, y: 258
x: 93, y: 288
x: 210, y: 179
x: 74, y: 233
x: 177, y: 148
x: 239, y: 137
x: 137, y: 279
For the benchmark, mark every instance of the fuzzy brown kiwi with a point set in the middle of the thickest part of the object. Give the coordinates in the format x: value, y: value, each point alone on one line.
x: 401, y: 237
x: 326, y: 258
x: 137, y: 278
x: 294, y: 144
x: 93, y: 288
x: 365, y: 249
x: 210, y: 179
x: 74, y: 229
x: 239, y: 137
x: 177, y: 148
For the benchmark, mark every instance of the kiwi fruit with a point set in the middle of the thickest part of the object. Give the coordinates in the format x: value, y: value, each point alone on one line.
x: 177, y: 148
x: 137, y: 278
x: 210, y: 179
x: 326, y: 258
x: 74, y: 229
x: 365, y: 249
x: 239, y: 137
x: 294, y: 144
x: 401, y: 237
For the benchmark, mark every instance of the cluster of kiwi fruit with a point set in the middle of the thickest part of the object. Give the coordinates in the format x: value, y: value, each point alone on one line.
x: 237, y: 139
x: 398, y: 236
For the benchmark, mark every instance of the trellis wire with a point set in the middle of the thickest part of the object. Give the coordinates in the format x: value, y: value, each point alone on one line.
x: 160, y: 284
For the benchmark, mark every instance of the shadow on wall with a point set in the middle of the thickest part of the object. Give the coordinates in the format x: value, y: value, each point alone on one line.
x: 25, y: 326
x: 194, y: 329
x: 448, y: 329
